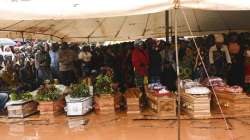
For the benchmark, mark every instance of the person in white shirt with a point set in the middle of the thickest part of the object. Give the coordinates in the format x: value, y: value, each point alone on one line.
x: 7, y: 54
x: 219, y: 57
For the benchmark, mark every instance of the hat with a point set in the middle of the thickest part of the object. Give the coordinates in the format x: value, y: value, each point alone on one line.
x: 219, y: 38
x: 138, y: 42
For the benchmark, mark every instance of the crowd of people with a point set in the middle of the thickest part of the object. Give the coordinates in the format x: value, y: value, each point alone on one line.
x: 133, y: 63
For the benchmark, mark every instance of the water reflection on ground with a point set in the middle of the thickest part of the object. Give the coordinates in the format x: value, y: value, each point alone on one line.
x: 119, y: 127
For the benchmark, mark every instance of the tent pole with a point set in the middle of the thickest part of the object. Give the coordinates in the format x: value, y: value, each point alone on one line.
x: 178, y: 76
x: 166, y: 25
x: 22, y: 36
x: 171, y: 24
x: 51, y: 38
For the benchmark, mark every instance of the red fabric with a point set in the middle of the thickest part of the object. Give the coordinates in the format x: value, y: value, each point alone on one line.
x: 140, y: 61
x: 247, y: 69
x: 247, y: 73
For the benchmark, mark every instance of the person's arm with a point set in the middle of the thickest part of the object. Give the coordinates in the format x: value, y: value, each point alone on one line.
x: 49, y: 59
x: 196, y: 61
x: 228, y: 57
x: 211, y: 55
x: 13, y: 57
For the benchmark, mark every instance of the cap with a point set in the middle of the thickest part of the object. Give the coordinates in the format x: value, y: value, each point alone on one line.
x: 138, y: 42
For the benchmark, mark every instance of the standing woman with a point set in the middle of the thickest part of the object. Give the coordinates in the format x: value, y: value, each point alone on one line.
x: 199, y: 71
x: 43, y: 60
x: 186, y: 61
x: 140, y: 61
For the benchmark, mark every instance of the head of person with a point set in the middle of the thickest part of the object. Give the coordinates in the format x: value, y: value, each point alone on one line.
x: 162, y: 44
x: 139, y: 44
x: 27, y: 64
x: 219, y: 40
x: 54, y: 47
x: 46, y: 47
x: 74, y: 47
x: 7, y: 49
x: 150, y: 43
x: 40, y: 47
x: 86, y: 49
x: 189, y: 51
x: 233, y: 37
x: 64, y: 46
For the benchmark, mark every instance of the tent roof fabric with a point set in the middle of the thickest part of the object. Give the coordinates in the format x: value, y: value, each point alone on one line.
x: 78, y: 9
x: 82, y: 9
x: 126, y: 28
x: 98, y: 20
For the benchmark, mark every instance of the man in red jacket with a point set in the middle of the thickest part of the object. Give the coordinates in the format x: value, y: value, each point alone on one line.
x: 140, y: 61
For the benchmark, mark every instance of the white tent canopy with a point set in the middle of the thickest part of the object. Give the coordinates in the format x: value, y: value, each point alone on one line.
x: 75, y: 9
x: 99, y: 20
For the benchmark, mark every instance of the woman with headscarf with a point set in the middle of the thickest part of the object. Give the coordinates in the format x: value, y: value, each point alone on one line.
x: 27, y: 76
x: 186, y: 61
x: 43, y: 61
x: 140, y: 61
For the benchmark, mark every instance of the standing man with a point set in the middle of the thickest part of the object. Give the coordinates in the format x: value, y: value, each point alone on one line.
x: 54, y: 60
x: 66, y: 65
x: 155, y: 63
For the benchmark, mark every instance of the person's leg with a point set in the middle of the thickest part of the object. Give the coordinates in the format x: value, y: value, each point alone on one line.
x: 155, y: 79
x: 39, y: 77
x: 3, y: 100
x: 63, y: 77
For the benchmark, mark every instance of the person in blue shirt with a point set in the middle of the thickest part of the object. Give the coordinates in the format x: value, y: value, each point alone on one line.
x: 3, y: 100
x: 54, y: 65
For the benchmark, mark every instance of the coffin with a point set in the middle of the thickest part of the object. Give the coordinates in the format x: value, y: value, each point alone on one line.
x: 132, y: 100
x: 78, y: 106
x: 22, y: 109
x: 196, y: 106
x: 104, y: 103
x: 52, y: 107
x: 232, y: 104
x: 163, y: 105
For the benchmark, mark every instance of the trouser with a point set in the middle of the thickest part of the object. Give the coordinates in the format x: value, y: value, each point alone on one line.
x: 44, y: 74
x: 67, y: 77
x: 3, y: 100
x: 55, y: 72
x: 86, y: 71
x: 155, y: 79
x: 143, y: 98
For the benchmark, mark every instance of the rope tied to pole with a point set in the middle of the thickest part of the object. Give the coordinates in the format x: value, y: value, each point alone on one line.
x: 206, y: 72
